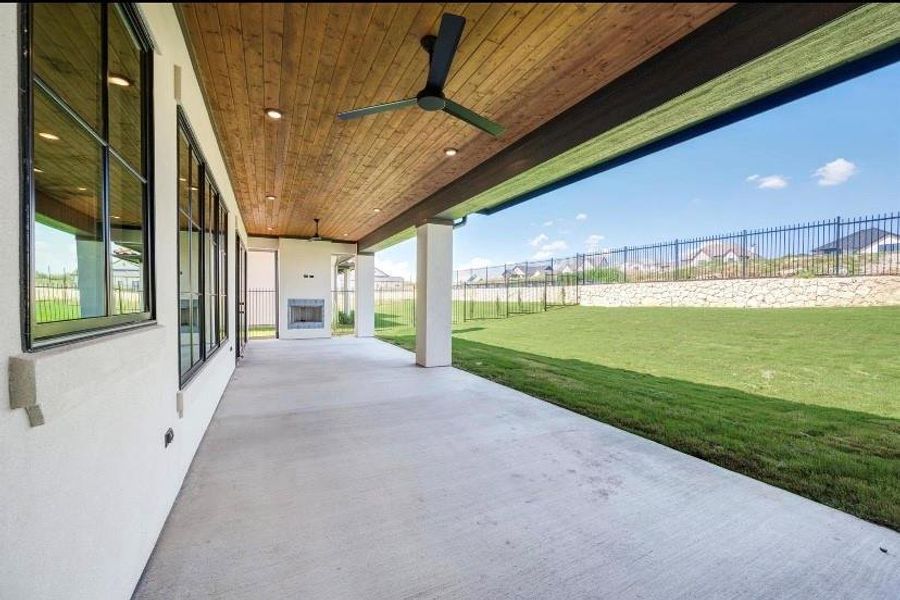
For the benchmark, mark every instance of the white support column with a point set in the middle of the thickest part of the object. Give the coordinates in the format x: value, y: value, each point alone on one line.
x: 91, y: 276
x: 434, y: 278
x: 365, y: 295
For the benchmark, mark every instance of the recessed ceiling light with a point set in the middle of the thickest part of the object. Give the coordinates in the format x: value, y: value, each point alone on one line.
x: 269, y: 228
x: 48, y: 136
x: 450, y: 151
x: 182, y: 179
x: 36, y: 170
x: 116, y: 217
x: 270, y: 197
x: 82, y: 189
x: 119, y: 80
x: 377, y: 210
x: 193, y: 188
x: 346, y: 234
x: 274, y: 113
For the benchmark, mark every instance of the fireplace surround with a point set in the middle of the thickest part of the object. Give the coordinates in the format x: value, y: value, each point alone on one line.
x: 306, y: 313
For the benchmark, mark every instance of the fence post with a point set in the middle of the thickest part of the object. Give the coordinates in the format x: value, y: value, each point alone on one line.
x: 625, y: 265
x: 677, y: 260
x: 506, y: 285
x: 465, y: 305
x: 745, y: 254
x: 577, y: 282
x: 545, y: 292
x: 837, y: 243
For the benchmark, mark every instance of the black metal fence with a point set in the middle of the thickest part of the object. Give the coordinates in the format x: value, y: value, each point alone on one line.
x: 343, y: 313
x: 839, y: 247
x: 262, y: 318
x: 60, y: 299
x: 395, y: 306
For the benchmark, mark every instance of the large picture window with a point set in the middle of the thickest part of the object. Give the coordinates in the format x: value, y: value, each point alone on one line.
x: 202, y: 258
x: 86, y: 125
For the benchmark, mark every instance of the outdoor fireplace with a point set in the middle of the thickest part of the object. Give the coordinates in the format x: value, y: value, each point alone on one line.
x: 306, y: 313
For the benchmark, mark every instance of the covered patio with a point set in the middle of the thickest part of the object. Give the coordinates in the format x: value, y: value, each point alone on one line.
x: 338, y: 469
x: 153, y: 146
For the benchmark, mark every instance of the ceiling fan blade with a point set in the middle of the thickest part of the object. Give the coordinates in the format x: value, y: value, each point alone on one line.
x: 473, y: 118
x: 444, y: 50
x: 377, y: 108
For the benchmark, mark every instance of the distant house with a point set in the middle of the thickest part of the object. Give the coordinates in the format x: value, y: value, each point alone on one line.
x: 565, y: 266
x: 127, y: 269
x: 719, y: 251
x: 528, y: 271
x: 864, y: 241
x: 383, y: 281
x: 596, y: 261
x: 514, y: 272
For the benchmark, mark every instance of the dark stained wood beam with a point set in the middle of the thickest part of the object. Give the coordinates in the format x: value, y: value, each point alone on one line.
x: 54, y: 213
x: 737, y: 36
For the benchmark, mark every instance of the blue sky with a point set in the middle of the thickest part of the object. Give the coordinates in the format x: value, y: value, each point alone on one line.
x: 833, y: 153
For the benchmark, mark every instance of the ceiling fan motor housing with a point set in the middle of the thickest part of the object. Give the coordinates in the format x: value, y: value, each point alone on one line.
x: 441, y: 50
x: 431, y: 100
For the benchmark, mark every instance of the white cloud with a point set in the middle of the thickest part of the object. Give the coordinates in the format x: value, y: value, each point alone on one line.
x: 592, y: 243
x: 769, y: 182
x: 548, y: 223
x: 396, y: 268
x: 549, y: 250
x: 581, y: 217
x: 476, y: 263
x: 836, y: 172
x: 540, y: 239
x: 772, y: 182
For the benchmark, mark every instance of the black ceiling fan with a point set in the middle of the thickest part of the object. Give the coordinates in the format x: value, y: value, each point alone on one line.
x: 317, y: 237
x: 441, y: 50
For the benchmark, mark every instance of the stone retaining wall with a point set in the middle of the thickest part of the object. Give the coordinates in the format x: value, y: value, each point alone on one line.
x: 748, y: 293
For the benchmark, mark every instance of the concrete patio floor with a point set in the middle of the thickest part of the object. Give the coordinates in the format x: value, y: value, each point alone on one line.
x: 337, y: 469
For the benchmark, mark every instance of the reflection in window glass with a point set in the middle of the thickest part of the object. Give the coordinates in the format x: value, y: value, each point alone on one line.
x: 223, y: 272
x: 124, y: 82
x: 209, y: 270
x: 88, y: 189
x: 69, y: 248
x: 67, y: 55
x: 126, y: 213
x: 188, y: 257
x: 196, y: 242
x: 202, y: 258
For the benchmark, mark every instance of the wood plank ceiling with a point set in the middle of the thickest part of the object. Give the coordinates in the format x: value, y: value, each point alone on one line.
x: 518, y: 64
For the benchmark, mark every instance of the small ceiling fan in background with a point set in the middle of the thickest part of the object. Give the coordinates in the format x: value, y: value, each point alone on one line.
x: 316, y: 237
x: 441, y: 51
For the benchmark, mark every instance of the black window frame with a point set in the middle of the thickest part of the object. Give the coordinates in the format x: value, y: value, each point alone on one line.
x: 219, y: 263
x: 37, y: 336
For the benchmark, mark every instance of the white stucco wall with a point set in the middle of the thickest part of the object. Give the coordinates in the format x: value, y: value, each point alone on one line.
x: 434, y: 304
x: 260, y: 270
x: 85, y: 495
x: 365, y: 295
x: 297, y: 258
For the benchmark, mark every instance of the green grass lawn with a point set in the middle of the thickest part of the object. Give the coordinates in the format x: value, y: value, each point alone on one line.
x: 401, y: 313
x: 261, y: 331
x: 805, y: 399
